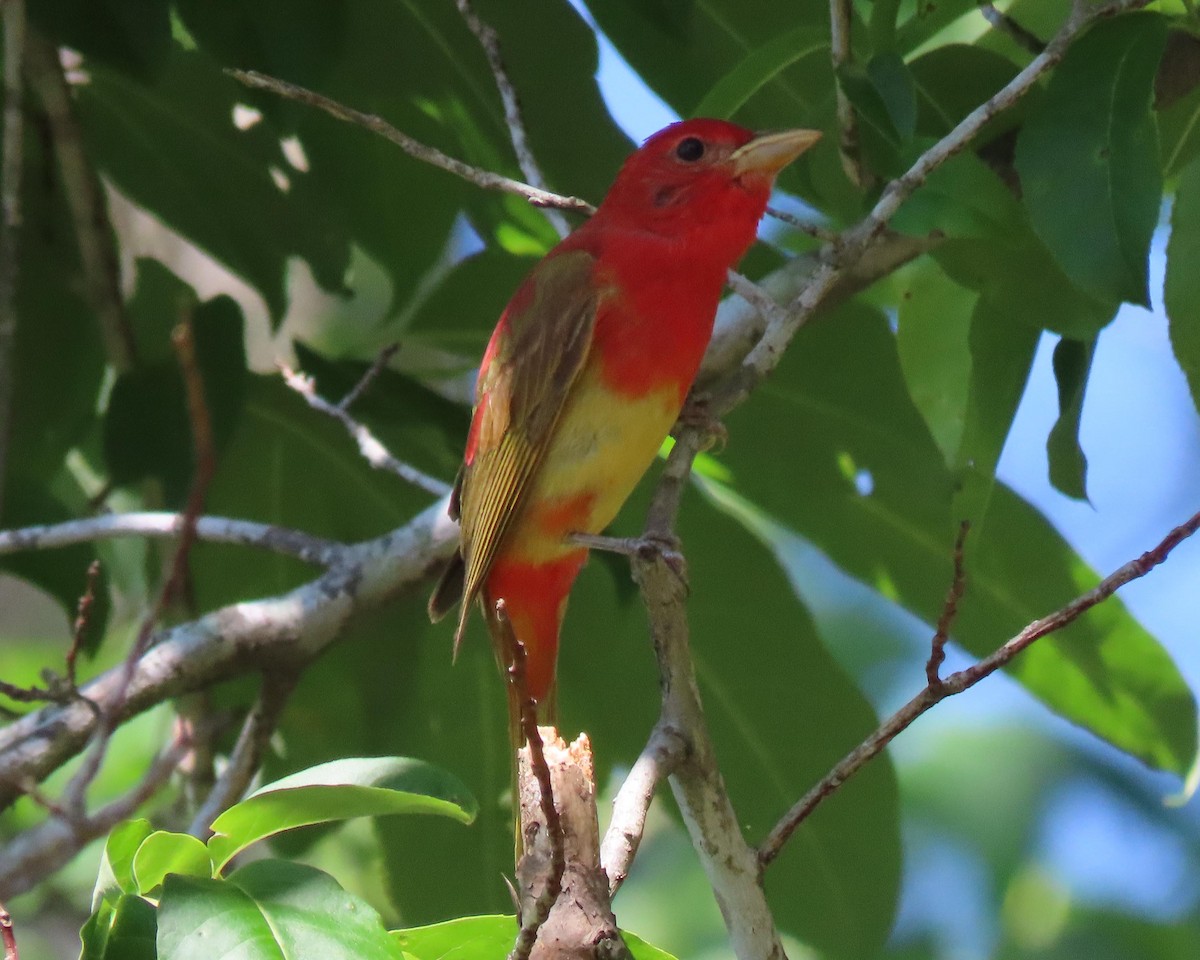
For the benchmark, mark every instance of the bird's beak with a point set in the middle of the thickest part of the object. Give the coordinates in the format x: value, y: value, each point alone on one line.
x: 769, y: 153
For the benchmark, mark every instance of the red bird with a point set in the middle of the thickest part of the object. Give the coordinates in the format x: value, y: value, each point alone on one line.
x: 588, y: 369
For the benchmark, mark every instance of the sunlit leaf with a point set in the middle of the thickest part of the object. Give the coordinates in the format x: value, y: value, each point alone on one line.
x: 268, y: 910
x: 339, y: 790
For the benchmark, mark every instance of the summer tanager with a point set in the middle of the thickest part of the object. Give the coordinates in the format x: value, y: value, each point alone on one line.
x: 588, y: 369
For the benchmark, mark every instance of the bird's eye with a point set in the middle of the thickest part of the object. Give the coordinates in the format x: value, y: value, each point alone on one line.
x: 690, y: 150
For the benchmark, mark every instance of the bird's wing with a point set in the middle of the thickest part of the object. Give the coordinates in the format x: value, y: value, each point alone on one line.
x: 536, y: 355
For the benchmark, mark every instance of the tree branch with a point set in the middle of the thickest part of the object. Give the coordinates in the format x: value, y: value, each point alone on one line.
x: 284, y: 631
x: 956, y: 683
x: 256, y: 733
x: 729, y: 862
x: 414, y: 148
x: 12, y: 162
x: 848, y: 142
x: 374, y: 452
x: 490, y: 41
x: 166, y: 526
x: 94, y: 235
x: 662, y: 755
x: 768, y: 351
x: 31, y: 855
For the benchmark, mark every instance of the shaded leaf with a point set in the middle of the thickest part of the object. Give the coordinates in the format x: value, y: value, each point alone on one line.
x: 269, y: 910
x: 1088, y: 158
x: 123, y: 930
x: 846, y: 422
x: 131, y: 35
x: 952, y: 80
x: 1002, y: 353
x: 894, y: 84
x: 932, y: 344
x: 62, y: 572
x: 161, y: 143
x: 340, y: 790
x: 1068, y: 464
x: 147, y: 429
x: 761, y: 66
x: 1181, y: 294
x: 837, y: 883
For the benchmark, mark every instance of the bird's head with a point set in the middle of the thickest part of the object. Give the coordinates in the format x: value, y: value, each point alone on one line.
x: 702, y: 176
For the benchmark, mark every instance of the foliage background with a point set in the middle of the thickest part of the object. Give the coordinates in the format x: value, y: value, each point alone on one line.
x: 1020, y: 836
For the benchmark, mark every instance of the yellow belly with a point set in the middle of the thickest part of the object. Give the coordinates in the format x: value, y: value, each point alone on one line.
x: 603, y: 444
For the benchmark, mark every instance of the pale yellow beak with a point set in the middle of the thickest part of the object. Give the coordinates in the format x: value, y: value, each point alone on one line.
x: 769, y: 153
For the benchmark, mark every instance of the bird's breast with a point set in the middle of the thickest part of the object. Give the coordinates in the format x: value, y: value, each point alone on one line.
x: 603, y: 444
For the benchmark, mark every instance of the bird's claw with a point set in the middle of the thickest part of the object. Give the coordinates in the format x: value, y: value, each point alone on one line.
x: 697, y: 415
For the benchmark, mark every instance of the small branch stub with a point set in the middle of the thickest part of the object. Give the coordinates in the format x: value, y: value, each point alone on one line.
x: 581, y: 925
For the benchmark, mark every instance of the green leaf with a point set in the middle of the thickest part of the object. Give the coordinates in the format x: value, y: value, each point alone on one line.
x: 62, y: 573
x: 952, y: 80
x: 132, y: 35
x: 116, y: 863
x: 1182, y: 288
x: 467, y: 938
x: 873, y: 111
x: 279, y: 439
x: 147, y: 429
x: 336, y: 791
x: 1088, y: 158
x: 1177, y: 99
x: 487, y: 938
x: 684, y: 50
x: 268, y: 910
x: 164, y: 852
x: 963, y: 199
x: 932, y: 343
x: 160, y: 301
x: 837, y: 885
x: 878, y: 500
x: 1068, y: 464
x: 162, y: 146
x: 1002, y: 354
x: 761, y: 66
x: 892, y: 80
x: 1017, y: 277
x: 123, y: 930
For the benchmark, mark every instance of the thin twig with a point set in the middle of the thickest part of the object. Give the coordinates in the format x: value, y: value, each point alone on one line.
x: 161, y: 525
x: 248, y: 752
x: 374, y: 452
x: 75, y: 793
x: 269, y: 633
x: 83, y: 619
x: 490, y: 41
x: 414, y: 148
x: 963, y: 680
x: 937, y: 646
x: 664, y: 752
x: 848, y: 143
x: 37, y: 852
x: 1024, y: 38
x: 823, y: 234
x: 729, y: 862
x: 545, y: 900
x: 382, y: 359
x: 766, y: 354
x: 84, y: 194
x: 12, y: 161
x: 8, y: 934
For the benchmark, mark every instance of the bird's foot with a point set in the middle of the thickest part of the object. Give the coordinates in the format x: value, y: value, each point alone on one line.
x: 697, y: 415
